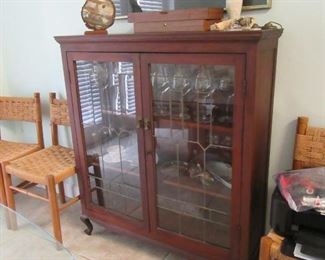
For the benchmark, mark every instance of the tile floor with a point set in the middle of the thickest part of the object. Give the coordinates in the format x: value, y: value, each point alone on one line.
x: 102, y: 245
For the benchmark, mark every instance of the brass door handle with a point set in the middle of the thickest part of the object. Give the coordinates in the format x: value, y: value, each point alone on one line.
x: 139, y: 123
x: 147, y: 124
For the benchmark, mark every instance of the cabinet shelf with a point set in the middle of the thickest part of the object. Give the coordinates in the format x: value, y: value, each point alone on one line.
x: 216, y: 189
x: 166, y: 123
x: 195, y: 228
x: 194, y: 217
x: 117, y: 114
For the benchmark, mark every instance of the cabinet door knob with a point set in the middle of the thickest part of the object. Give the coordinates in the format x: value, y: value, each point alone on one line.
x: 147, y: 124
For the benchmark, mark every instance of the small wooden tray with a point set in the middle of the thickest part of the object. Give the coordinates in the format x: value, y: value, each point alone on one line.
x: 177, y: 15
x: 174, y: 26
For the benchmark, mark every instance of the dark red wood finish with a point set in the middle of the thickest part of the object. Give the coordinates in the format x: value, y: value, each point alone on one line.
x: 254, y: 56
x: 238, y: 61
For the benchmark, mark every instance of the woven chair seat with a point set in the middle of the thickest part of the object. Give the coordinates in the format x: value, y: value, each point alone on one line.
x: 56, y: 160
x: 310, y: 147
x: 275, y: 251
x: 12, y: 150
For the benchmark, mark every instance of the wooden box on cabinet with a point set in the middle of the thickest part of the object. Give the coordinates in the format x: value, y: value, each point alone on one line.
x: 178, y: 127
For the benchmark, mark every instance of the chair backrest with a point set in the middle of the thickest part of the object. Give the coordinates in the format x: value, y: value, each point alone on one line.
x: 309, y: 149
x: 59, y: 115
x: 23, y: 109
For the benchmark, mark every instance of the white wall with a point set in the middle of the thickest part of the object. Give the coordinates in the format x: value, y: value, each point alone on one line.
x: 32, y: 60
x: 2, y: 72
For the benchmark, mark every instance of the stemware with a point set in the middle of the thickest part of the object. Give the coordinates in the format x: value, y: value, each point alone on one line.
x: 227, y: 117
x: 225, y: 84
x: 203, y: 80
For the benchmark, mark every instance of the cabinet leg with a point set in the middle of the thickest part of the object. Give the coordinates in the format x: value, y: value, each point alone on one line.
x: 87, y: 222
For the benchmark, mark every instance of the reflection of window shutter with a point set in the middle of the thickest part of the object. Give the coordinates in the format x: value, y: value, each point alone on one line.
x: 151, y: 5
x: 89, y: 92
x: 122, y: 6
x: 127, y: 68
x: 117, y: 4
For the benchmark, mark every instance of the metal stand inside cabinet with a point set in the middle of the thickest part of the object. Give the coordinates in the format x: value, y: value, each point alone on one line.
x: 177, y: 126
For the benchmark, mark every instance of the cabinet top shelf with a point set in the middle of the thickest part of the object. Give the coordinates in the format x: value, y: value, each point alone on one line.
x: 175, y: 36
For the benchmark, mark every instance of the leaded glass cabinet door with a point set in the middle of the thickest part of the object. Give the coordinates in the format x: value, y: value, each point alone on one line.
x: 107, y: 94
x: 195, y: 143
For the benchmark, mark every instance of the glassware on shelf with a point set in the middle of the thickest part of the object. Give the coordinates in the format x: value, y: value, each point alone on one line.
x: 223, y: 140
x: 203, y: 80
x: 203, y: 112
x: 223, y: 113
x: 221, y: 172
x: 205, y: 178
x: 205, y: 93
x: 169, y: 88
x: 225, y: 84
x: 196, y: 172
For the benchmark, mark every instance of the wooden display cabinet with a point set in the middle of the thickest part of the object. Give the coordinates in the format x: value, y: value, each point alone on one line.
x: 178, y: 128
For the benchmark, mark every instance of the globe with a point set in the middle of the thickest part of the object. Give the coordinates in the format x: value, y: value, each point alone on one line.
x: 98, y: 14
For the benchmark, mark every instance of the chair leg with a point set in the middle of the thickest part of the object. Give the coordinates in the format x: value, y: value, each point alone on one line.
x: 99, y: 183
x: 54, y: 208
x: 10, y: 197
x: 265, y: 248
x: 62, y: 193
x: 3, y: 198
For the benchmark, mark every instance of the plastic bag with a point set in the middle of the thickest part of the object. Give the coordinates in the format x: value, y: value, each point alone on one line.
x: 303, y: 189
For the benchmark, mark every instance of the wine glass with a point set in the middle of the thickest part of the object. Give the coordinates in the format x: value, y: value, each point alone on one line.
x: 227, y: 119
x: 225, y: 84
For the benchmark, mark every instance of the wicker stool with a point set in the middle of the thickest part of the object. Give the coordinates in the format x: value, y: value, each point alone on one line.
x: 270, y: 247
x: 309, y: 152
x: 50, y: 166
x: 19, y: 109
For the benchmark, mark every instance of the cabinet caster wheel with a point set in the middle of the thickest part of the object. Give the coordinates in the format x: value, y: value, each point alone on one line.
x: 87, y: 222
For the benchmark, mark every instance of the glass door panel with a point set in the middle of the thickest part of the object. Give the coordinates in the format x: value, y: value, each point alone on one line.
x: 193, y: 117
x: 108, y: 108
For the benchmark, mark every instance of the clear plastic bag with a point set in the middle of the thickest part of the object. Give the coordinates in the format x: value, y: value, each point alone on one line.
x: 303, y: 189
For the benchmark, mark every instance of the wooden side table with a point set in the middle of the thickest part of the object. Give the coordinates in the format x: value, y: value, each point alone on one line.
x: 270, y: 247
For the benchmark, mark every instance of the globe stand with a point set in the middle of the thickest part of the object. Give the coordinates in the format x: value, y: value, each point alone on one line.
x: 97, y: 32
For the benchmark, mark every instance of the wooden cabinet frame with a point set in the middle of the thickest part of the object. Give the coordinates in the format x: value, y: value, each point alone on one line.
x: 254, y: 56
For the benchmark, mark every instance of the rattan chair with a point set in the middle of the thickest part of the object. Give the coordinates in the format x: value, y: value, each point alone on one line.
x: 49, y: 167
x: 19, y: 109
x: 309, y: 152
